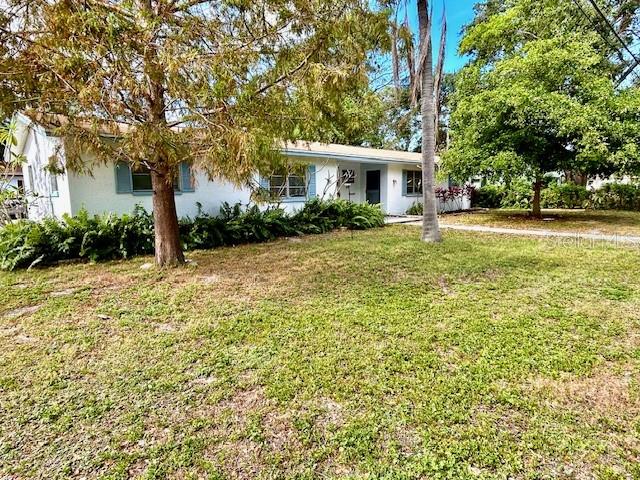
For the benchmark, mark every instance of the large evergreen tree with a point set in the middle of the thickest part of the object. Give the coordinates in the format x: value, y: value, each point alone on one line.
x: 219, y: 83
x: 540, y: 95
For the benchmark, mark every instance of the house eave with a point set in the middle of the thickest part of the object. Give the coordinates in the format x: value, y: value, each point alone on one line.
x: 344, y: 157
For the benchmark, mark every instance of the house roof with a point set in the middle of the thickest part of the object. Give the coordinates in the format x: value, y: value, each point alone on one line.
x: 350, y: 153
x: 300, y: 149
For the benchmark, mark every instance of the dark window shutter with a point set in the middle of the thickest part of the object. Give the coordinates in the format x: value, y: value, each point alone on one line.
x: 311, y: 181
x: 264, y: 182
x: 123, y: 178
x: 404, y: 182
x: 186, y: 178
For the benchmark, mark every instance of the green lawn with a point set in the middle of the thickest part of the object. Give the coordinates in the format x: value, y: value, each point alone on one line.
x: 608, y: 222
x: 351, y: 355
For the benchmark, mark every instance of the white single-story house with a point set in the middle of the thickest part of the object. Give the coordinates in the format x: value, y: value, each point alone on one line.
x: 358, y: 174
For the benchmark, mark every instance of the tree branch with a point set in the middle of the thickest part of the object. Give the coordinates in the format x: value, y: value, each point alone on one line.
x: 285, y: 76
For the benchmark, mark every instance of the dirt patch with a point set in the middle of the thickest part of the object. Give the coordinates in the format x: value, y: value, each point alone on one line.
x: 279, y: 432
x: 444, y: 286
x: 332, y: 415
x: 245, y: 401
x: 503, y: 419
x: 25, y: 339
x: 404, y: 439
x: 242, y: 460
x: 575, y: 469
x: 63, y: 293
x: 604, y: 392
x: 19, y: 312
x: 203, y: 381
x: 138, y: 468
x: 209, y: 279
x: 9, y: 331
x: 166, y: 328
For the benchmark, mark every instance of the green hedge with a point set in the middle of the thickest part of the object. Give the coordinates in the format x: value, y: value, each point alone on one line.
x: 488, y: 196
x: 615, y: 196
x: 612, y: 196
x: 105, y: 237
x: 565, y: 195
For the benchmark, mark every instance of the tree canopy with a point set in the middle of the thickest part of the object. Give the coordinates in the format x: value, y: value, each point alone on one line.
x: 539, y: 95
x: 218, y: 83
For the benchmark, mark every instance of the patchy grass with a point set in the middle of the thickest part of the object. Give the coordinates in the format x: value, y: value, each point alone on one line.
x: 349, y: 355
x: 607, y: 222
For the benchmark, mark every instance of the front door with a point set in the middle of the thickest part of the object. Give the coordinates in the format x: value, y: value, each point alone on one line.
x: 373, y: 186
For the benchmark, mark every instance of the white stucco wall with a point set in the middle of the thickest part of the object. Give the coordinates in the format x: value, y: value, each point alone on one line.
x: 43, y: 201
x: 326, y: 176
x: 354, y: 192
x: 97, y: 194
x: 399, y: 204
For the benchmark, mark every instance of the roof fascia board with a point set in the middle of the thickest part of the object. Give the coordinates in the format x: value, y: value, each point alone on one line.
x: 351, y: 158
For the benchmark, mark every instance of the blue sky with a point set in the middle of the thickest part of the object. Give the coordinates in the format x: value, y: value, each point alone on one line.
x: 459, y: 13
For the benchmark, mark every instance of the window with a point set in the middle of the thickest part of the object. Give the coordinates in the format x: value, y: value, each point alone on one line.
x: 141, y: 180
x: 288, y: 186
x: 413, y: 182
x: 54, y: 185
x: 138, y: 180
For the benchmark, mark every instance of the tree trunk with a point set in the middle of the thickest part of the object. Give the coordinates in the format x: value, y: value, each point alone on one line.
x: 165, y: 221
x: 537, y: 188
x: 430, y: 227
x: 165, y: 218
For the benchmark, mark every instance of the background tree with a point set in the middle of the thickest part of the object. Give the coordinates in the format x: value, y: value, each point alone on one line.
x: 538, y: 96
x: 218, y: 83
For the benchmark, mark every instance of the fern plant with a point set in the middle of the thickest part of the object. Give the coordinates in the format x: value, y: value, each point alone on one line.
x: 104, y: 237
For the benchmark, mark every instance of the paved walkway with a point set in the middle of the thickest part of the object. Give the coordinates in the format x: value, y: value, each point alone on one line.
x: 573, y: 236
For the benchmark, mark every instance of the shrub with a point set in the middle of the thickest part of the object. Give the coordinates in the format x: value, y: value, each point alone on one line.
x: 104, y: 237
x: 488, y: 196
x: 615, y: 196
x: 518, y: 194
x: 450, y: 199
x: 565, y: 195
x: 415, y: 209
x: 26, y: 243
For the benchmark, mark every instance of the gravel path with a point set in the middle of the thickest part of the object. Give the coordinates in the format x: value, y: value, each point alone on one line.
x: 574, y: 236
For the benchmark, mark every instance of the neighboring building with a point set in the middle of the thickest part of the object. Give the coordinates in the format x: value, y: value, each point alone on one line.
x: 11, y: 179
x: 357, y: 174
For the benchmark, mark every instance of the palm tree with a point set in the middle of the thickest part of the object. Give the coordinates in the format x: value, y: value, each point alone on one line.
x: 430, y: 227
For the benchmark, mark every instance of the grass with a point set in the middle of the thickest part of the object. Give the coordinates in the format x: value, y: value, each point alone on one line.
x: 608, y: 222
x: 351, y: 355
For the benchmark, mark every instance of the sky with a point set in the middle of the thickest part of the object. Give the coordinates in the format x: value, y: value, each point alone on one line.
x: 459, y: 13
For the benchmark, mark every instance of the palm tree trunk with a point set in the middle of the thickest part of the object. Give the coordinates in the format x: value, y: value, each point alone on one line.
x: 430, y: 227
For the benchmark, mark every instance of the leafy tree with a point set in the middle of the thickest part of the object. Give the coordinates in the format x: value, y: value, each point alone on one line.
x: 219, y: 83
x: 356, y: 119
x: 538, y: 96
